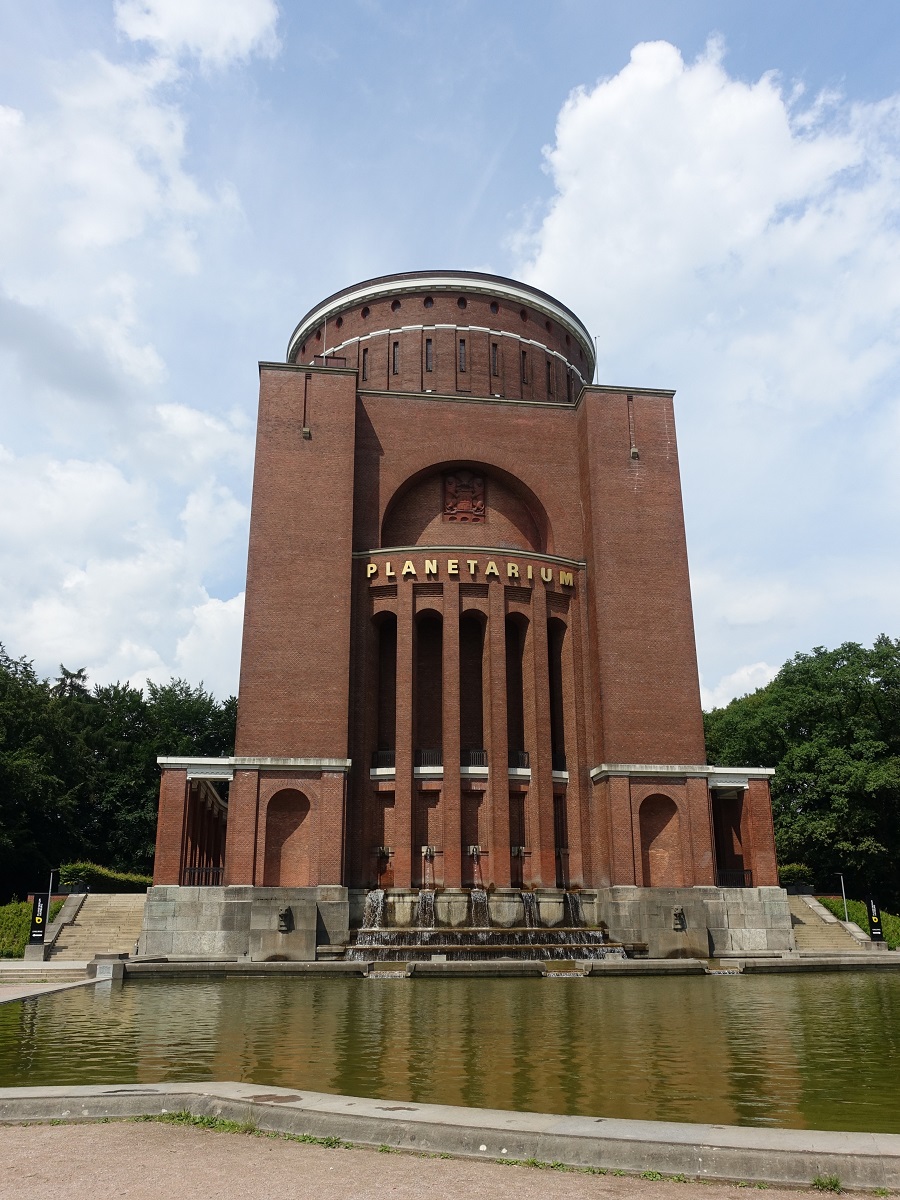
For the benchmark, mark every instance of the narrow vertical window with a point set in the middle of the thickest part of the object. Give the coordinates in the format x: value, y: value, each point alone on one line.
x: 569, y: 386
x: 429, y: 354
x: 495, y: 359
x: 395, y: 359
x: 462, y: 354
x: 549, y: 378
x: 524, y: 366
x: 365, y: 363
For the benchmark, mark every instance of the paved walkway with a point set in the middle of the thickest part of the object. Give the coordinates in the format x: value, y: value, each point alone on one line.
x: 146, y: 1161
x: 21, y: 991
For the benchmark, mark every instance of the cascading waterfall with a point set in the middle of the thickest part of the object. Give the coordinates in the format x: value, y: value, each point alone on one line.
x: 479, y: 913
x: 530, y: 905
x: 480, y: 939
x: 425, y: 909
x: 574, y: 911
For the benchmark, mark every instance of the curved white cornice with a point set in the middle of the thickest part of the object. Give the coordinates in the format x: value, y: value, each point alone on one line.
x: 488, y: 285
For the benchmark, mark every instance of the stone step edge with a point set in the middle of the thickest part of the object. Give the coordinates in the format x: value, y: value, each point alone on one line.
x: 775, y: 1156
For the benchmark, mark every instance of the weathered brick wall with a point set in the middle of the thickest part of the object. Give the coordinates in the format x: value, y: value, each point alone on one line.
x: 591, y: 480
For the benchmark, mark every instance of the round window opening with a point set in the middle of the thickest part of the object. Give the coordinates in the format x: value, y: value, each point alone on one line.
x: 318, y: 335
x: 339, y: 322
x: 462, y: 302
x: 365, y: 312
x: 395, y: 306
x: 547, y: 326
x: 495, y: 307
x: 523, y: 314
x: 429, y: 302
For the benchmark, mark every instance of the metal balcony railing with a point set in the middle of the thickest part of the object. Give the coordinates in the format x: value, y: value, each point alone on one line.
x: 202, y: 877
x: 734, y: 879
x: 429, y: 758
x: 518, y: 759
x: 384, y: 758
x: 473, y: 758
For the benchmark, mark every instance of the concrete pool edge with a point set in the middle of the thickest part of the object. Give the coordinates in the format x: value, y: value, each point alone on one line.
x: 723, y: 1152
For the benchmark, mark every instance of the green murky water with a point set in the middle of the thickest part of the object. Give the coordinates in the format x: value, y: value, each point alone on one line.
x: 819, y: 1051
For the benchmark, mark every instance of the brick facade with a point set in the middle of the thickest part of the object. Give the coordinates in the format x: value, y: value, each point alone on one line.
x: 468, y: 616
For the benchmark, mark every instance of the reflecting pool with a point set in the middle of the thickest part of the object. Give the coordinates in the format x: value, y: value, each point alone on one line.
x: 819, y: 1051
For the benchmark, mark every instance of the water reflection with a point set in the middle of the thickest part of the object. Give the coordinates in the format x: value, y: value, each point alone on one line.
x: 820, y: 1051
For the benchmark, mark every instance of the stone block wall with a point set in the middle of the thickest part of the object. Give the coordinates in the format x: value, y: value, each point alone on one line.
x: 717, y: 921
x: 240, y: 922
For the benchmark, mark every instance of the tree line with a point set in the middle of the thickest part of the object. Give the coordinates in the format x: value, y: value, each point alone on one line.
x: 78, y: 773
x: 829, y: 722
x: 79, y: 780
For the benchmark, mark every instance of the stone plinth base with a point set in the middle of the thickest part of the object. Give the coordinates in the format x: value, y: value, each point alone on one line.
x: 699, y: 922
x: 243, y: 922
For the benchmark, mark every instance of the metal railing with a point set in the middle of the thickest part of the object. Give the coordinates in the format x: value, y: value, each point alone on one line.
x: 518, y: 759
x: 734, y: 879
x: 429, y: 758
x: 202, y: 877
x: 384, y: 758
x: 473, y: 758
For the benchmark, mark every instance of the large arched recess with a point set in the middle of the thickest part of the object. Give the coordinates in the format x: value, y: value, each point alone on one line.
x: 515, y: 519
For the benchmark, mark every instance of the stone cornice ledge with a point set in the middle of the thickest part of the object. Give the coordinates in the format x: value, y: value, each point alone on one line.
x: 251, y: 763
x: 712, y: 773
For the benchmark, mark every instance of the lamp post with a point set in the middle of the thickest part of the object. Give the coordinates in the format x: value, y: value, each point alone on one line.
x: 844, y: 894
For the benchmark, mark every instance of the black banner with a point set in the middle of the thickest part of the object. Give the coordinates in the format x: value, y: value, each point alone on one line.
x: 876, y: 933
x: 38, y: 921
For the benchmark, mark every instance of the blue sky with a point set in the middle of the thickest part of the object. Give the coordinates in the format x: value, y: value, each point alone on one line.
x: 712, y: 187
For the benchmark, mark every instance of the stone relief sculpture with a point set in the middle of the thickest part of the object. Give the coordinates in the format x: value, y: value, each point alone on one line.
x: 464, y: 497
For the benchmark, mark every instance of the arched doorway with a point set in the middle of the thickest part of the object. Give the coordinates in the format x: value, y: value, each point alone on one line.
x: 287, y: 862
x: 661, y: 857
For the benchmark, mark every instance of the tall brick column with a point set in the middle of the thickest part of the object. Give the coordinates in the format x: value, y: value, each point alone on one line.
x: 404, y: 754
x: 498, y: 748
x: 170, y: 829
x: 537, y: 703
x: 451, y: 799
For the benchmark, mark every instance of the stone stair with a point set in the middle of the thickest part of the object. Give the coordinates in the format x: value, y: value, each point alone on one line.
x: 106, y: 924
x: 816, y: 935
x: 22, y: 975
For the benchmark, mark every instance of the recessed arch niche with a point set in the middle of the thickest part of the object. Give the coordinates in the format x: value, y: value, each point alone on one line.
x: 513, y: 516
x: 661, y: 852
x: 287, y: 860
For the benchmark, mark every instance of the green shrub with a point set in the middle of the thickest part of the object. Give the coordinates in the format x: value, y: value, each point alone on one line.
x: 102, y: 879
x: 827, y: 1183
x: 858, y: 912
x: 15, y: 925
x: 792, y: 873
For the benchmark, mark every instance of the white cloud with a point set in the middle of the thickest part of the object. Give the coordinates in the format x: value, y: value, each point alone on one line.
x: 744, y: 680
x: 119, y: 498
x: 210, y: 650
x: 89, y: 573
x: 218, y: 32
x: 741, y: 243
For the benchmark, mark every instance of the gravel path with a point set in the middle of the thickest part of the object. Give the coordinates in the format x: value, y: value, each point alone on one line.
x: 149, y: 1161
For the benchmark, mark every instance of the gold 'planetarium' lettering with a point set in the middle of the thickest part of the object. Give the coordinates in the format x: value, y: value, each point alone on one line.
x: 491, y: 570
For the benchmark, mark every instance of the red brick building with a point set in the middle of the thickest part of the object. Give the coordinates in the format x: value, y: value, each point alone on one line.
x: 468, y: 646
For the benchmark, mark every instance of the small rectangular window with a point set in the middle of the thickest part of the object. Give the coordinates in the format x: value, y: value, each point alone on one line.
x: 495, y: 359
x: 569, y: 386
x: 524, y: 366
x: 429, y: 354
x: 365, y: 363
x: 549, y: 378
x: 462, y: 354
x: 395, y: 358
